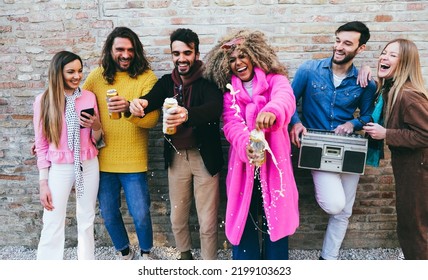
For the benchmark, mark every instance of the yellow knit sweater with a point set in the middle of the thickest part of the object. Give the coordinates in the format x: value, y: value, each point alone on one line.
x: 127, y: 138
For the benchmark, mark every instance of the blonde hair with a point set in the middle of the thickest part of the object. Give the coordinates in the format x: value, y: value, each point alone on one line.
x: 53, y: 99
x: 252, y: 43
x: 408, y: 74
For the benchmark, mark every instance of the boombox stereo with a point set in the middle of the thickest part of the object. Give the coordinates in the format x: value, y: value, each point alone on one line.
x: 326, y: 151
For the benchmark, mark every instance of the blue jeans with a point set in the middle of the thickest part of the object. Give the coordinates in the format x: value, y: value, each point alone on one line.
x: 138, y: 200
x: 249, y: 246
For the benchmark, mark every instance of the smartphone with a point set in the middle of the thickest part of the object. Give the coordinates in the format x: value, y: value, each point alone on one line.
x: 361, y: 121
x: 90, y: 111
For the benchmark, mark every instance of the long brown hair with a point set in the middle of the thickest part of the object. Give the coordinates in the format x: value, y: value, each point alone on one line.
x: 139, y: 63
x: 408, y: 74
x: 253, y: 43
x: 53, y: 99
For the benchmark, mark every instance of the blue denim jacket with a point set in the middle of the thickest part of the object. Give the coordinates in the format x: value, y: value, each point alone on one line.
x: 324, y: 106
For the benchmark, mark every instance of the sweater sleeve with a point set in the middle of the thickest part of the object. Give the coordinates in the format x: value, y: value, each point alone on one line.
x: 151, y: 119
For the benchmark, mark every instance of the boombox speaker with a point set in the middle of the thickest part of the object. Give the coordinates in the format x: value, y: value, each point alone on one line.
x: 321, y: 150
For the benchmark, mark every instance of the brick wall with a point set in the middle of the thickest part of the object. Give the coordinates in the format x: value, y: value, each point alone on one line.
x: 32, y: 31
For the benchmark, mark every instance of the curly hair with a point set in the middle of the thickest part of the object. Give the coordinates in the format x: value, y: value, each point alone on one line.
x: 252, y: 43
x: 139, y: 64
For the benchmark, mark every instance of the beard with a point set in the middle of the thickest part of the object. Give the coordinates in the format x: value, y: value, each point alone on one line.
x: 120, y: 68
x: 181, y: 73
x: 348, y: 57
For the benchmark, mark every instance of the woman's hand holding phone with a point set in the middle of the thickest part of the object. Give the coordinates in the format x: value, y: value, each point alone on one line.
x: 88, y: 119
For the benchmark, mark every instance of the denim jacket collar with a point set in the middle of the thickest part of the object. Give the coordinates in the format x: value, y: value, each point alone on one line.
x: 327, y: 63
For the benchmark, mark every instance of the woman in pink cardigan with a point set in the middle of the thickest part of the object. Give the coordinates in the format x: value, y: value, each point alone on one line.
x: 261, y: 196
x: 65, y: 139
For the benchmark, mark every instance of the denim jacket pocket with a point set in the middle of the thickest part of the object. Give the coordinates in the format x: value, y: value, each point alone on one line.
x: 348, y: 97
x: 319, y: 91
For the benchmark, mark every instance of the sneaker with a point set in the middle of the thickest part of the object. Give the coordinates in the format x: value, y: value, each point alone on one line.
x: 145, y: 257
x: 185, y: 256
x: 128, y: 257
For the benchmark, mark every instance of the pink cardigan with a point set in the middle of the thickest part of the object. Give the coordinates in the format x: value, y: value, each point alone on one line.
x: 48, y: 152
x: 271, y: 93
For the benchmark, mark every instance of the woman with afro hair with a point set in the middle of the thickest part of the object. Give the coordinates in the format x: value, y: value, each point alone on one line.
x: 262, y: 197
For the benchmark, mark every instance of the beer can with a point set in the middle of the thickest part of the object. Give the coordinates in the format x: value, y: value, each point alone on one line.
x: 257, y: 142
x: 113, y: 115
x: 168, y: 103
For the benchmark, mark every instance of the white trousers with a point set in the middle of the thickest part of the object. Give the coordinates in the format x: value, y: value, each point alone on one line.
x: 335, y: 194
x: 52, y: 239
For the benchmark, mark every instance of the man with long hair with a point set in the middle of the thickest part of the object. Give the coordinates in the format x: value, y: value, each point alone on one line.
x: 123, y: 161
x: 330, y: 96
x: 193, y: 154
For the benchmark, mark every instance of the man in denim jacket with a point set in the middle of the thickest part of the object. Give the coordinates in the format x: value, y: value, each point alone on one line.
x: 330, y: 94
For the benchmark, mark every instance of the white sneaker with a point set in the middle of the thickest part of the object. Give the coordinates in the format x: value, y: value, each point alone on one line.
x: 128, y: 257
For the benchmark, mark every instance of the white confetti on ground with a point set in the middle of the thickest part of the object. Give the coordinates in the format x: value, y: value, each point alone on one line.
x: 170, y: 253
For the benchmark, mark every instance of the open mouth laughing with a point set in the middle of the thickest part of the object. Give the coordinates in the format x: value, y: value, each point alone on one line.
x: 242, y: 69
x: 384, y: 66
